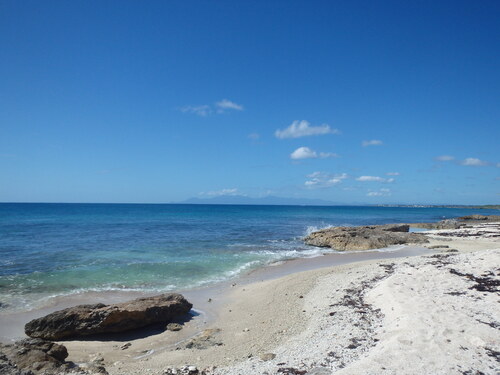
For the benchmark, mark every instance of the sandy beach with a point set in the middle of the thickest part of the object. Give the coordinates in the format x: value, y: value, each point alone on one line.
x: 435, y: 313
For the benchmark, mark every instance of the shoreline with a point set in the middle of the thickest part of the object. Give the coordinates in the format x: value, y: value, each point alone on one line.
x: 12, y: 323
x: 344, y: 312
x: 278, y: 323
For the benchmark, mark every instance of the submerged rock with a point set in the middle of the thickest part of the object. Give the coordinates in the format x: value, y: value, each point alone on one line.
x: 86, y: 320
x: 365, y: 237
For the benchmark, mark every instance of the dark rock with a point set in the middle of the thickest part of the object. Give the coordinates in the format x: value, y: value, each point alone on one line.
x: 7, y: 367
x: 291, y: 371
x: 86, y: 320
x: 364, y: 238
x: 185, y: 370
x: 174, y: 327
x: 33, y: 356
x: 395, y: 227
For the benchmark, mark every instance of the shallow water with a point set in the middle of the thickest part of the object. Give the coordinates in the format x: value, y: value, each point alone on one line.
x: 49, y: 250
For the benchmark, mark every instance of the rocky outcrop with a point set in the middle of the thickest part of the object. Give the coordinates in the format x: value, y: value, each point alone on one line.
x: 365, y: 237
x: 33, y: 356
x: 458, y: 222
x: 84, y: 320
x: 40, y: 357
x: 482, y: 218
x: 443, y: 224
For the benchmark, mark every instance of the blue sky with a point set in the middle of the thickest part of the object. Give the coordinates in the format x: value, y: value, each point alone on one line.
x: 160, y: 101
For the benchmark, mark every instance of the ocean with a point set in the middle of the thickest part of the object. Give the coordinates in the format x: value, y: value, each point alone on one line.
x: 49, y: 250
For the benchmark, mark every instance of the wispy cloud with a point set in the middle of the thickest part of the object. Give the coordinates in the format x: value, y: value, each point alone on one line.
x: 392, y: 174
x: 228, y: 104
x: 218, y: 193
x: 379, y: 193
x: 324, y: 155
x: 444, y: 158
x: 200, y: 110
x: 307, y: 153
x: 219, y: 107
x: 254, y: 136
x: 374, y: 179
x: 373, y: 142
x: 323, y: 179
x: 467, y: 162
x: 474, y: 162
x: 302, y: 129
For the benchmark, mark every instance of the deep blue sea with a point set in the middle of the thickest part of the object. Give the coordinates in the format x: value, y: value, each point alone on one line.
x: 50, y: 250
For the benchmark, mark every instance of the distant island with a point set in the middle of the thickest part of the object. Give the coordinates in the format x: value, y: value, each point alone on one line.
x: 269, y: 200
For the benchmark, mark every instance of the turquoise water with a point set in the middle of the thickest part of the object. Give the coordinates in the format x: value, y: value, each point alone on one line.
x: 58, y: 249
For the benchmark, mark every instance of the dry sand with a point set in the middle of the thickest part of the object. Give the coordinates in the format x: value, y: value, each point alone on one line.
x: 430, y: 314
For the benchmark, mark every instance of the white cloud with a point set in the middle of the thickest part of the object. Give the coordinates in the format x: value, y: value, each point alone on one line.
x: 218, y: 193
x: 307, y: 153
x: 392, y: 174
x: 200, y: 110
x: 379, y: 193
x: 228, y: 104
x: 498, y: 165
x: 254, y: 136
x: 473, y: 162
x: 374, y: 179
x: 322, y: 179
x: 303, y: 153
x: 302, y: 128
x: 445, y: 158
x: 373, y: 142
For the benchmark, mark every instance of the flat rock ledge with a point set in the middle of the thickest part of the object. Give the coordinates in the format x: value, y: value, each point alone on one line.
x: 84, y: 320
x: 459, y: 222
x: 365, y: 237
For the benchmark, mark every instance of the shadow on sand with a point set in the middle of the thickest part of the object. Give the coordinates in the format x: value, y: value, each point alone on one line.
x: 135, y: 334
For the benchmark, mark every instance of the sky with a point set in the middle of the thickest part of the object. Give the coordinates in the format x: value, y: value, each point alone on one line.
x: 354, y: 102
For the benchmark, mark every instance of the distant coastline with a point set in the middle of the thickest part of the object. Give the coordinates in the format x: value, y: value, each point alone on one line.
x: 276, y: 201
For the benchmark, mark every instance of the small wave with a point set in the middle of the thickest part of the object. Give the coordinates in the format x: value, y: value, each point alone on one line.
x: 289, y: 254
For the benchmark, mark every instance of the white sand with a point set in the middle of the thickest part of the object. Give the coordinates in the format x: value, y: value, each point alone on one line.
x: 397, y: 316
